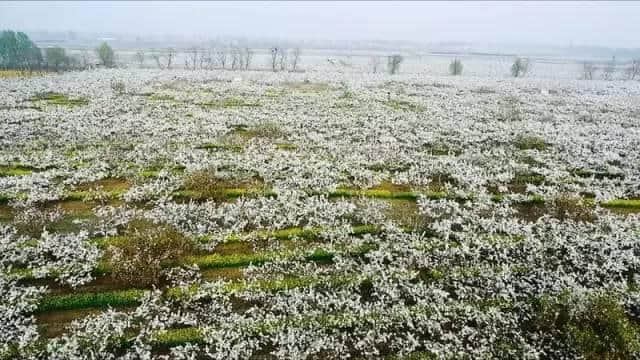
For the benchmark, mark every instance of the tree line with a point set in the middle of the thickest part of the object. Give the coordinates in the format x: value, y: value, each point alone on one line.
x: 18, y: 52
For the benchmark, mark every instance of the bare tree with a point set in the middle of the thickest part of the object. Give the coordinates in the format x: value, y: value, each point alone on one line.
x: 236, y: 58
x: 248, y: 54
x: 221, y: 57
x: 139, y: 56
x: 609, y: 70
x: 295, y: 58
x: 192, y: 58
x: 393, y: 63
x: 207, y: 59
x: 163, y: 59
x: 274, y: 58
x: 588, y: 69
x: 171, y: 52
x: 156, y: 55
x: 85, y: 59
x: 455, y: 67
x: 375, y: 63
x: 282, y: 59
x: 633, y: 70
x: 520, y: 67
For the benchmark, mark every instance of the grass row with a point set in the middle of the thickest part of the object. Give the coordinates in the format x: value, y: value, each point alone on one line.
x: 344, y: 192
x: 132, y: 297
x: 215, y: 261
x: 118, y: 298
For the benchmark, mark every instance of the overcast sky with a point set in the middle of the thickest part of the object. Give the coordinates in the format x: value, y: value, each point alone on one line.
x: 557, y: 23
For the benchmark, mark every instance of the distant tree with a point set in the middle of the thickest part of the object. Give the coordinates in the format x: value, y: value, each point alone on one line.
x: 520, y: 67
x: 139, y: 56
x: 17, y: 51
x: 56, y: 58
x: 156, y: 55
x: 221, y: 55
x: 633, y: 70
x: 274, y: 58
x: 295, y: 58
x: 609, y: 70
x: 375, y: 63
x: 455, y: 67
x: 393, y: 63
x: 237, y: 58
x: 192, y: 58
x: 163, y: 59
x: 248, y: 54
x: 588, y: 70
x: 282, y: 59
x: 106, y: 55
x: 206, y: 59
x: 171, y: 53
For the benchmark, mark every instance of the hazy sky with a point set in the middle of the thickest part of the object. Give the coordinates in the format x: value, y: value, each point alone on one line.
x: 583, y: 23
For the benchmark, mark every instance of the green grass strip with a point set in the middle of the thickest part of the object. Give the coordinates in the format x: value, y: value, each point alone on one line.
x: 175, y: 337
x: 622, y: 203
x: 214, y: 261
x: 84, y: 300
x: 15, y: 170
x: 85, y: 195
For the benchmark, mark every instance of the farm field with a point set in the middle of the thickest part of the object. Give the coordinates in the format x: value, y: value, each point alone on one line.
x: 318, y: 215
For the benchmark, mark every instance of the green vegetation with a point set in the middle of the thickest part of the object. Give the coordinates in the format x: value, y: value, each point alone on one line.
x: 54, y: 98
x: 567, y: 206
x: 307, y: 87
x: 15, y: 170
x: 403, y: 105
x: 148, y: 249
x: 441, y: 149
x: 530, y: 142
x: 229, y: 103
x: 220, y: 147
x: 175, y: 337
x: 596, y: 326
x: 161, y: 97
x: 106, y: 55
x: 286, y: 146
x: 528, y: 178
x: 597, y: 174
x: 208, y: 184
x: 622, y: 203
x: 153, y: 171
x: 268, y: 130
x: 106, y: 299
x: 18, y: 52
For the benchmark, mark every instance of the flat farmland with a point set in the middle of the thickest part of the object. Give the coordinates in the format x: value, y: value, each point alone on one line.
x: 332, y: 213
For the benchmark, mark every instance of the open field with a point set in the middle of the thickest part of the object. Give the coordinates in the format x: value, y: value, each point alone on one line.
x: 325, y: 214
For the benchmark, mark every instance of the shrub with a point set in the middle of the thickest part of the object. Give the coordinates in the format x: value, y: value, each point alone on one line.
x: 210, y: 184
x: 520, y: 67
x: 569, y: 206
x: 597, y: 327
x: 530, y: 142
x: 139, y: 257
x: 602, y: 330
x: 266, y: 130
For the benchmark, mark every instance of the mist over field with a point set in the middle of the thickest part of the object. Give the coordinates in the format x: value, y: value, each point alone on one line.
x: 319, y: 180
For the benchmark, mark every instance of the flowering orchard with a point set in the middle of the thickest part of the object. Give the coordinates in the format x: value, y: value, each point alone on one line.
x: 318, y: 215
